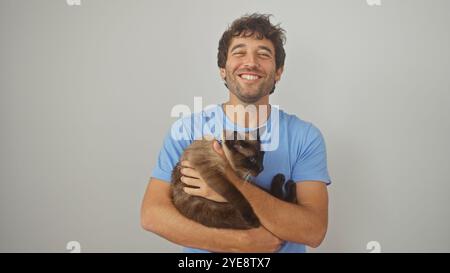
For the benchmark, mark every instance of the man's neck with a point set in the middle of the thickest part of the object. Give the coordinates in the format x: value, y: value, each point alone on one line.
x: 247, y: 115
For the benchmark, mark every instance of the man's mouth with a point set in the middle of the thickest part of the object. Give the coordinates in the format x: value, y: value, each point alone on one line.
x: 249, y: 76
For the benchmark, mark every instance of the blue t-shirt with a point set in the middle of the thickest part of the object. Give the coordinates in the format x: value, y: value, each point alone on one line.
x: 292, y: 147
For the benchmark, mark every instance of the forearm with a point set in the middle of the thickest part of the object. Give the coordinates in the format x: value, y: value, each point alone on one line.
x: 290, y: 222
x: 167, y: 222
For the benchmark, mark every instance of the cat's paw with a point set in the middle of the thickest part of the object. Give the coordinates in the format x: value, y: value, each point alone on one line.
x: 291, y: 191
x: 276, y: 189
x: 279, y: 178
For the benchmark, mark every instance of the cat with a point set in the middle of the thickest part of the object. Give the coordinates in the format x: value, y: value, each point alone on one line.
x: 246, y: 159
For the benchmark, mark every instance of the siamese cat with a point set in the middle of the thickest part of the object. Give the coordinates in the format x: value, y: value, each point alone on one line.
x: 246, y: 159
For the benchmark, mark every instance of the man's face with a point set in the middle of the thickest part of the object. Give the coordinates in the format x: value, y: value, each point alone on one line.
x: 250, y: 71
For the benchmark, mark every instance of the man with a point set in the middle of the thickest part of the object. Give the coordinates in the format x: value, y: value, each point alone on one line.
x: 251, y: 60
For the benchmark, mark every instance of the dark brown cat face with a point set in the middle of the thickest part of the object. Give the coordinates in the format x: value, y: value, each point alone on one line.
x: 244, y: 154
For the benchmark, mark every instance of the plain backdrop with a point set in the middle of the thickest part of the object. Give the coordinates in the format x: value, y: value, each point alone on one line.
x: 86, y: 95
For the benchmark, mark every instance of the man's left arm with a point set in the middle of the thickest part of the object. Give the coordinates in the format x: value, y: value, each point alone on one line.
x: 305, y: 222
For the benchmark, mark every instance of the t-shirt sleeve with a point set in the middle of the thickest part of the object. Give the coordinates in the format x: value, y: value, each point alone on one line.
x: 175, y: 141
x: 311, y: 161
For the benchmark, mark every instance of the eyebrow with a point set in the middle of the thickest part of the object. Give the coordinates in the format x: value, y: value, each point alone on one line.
x: 243, y: 45
x: 236, y: 47
x: 265, y: 48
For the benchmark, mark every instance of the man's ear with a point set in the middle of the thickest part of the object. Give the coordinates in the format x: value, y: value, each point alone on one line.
x: 278, y: 73
x: 223, y: 74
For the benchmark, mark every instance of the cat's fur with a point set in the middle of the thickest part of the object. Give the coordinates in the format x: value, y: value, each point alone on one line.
x: 237, y: 212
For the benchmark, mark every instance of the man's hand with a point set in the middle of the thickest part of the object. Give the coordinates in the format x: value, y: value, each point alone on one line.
x: 259, y: 240
x: 192, y: 178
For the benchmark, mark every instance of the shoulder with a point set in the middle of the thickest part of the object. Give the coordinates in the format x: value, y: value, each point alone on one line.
x: 298, y: 126
x: 302, y: 134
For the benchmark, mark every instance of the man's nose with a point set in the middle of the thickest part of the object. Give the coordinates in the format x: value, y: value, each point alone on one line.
x: 251, y: 61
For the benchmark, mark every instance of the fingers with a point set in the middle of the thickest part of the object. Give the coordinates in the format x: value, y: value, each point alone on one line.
x: 191, y: 181
x: 217, y: 147
x: 190, y: 172
x: 187, y: 164
x: 188, y: 169
x: 193, y: 191
x: 201, y: 189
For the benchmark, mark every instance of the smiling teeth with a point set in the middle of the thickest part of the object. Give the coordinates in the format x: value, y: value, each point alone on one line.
x: 249, y: 77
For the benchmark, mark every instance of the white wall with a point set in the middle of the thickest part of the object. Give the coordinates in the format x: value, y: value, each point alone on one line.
x: 86, y: 94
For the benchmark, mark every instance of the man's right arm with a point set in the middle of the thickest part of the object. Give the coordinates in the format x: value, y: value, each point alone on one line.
x: 159, y: 215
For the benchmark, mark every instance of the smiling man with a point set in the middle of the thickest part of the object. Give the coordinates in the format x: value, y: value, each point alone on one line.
x: 251, y: 61
x: 252, y: 81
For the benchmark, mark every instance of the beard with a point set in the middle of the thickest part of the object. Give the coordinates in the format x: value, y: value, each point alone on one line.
x: 250, y: 93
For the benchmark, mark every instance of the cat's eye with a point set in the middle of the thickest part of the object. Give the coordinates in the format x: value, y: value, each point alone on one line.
x: 252, y: 160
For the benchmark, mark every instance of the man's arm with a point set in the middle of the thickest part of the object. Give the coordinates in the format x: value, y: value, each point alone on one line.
x: 305, y: 222
x: 159, y: 215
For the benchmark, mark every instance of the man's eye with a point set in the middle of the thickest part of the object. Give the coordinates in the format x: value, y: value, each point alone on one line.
x: 265, y: 55
x: 238, y: 53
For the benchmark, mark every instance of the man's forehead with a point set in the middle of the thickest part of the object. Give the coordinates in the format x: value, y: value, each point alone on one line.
x: 250, y: 41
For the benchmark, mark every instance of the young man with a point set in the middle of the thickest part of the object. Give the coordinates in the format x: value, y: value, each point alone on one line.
x: 251, y: 59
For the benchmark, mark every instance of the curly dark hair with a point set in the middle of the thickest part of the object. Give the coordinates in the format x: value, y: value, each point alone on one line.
x: 249, y: 25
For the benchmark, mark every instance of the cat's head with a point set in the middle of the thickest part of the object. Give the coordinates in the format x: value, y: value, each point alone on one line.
x: 243, y: 151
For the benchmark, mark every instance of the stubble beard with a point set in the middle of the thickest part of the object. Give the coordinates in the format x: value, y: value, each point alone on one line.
x: 236, y: 88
